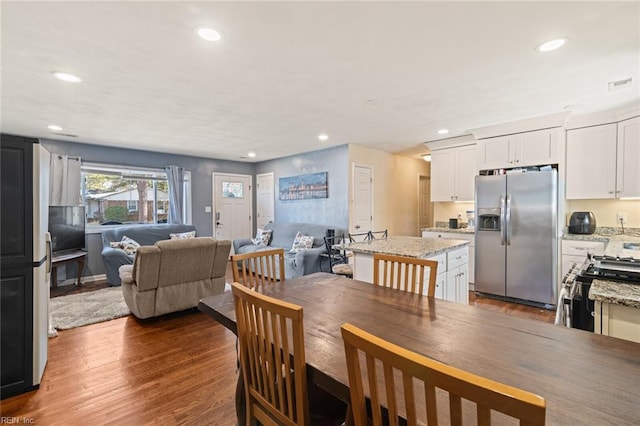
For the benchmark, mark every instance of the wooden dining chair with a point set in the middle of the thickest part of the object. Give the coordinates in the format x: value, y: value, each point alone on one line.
x: 258, y: 268
x: 418, y: 378
x: 275, y: 383
x: 273, y: 364
x: 404, y: 273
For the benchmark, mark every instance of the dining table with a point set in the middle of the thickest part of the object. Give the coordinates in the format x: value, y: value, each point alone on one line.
x: 585, y: 378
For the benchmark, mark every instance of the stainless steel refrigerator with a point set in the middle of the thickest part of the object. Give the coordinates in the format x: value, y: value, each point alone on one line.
x: 516, y: 236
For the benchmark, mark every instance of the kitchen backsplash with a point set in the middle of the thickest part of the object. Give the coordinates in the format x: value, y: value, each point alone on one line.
x: 605, y: 211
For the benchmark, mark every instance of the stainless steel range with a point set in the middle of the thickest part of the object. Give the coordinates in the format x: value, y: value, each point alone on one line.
x: 578, y: 309
x: 626, y: 269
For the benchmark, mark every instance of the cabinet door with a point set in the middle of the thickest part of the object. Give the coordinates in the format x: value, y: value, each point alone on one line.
x: 465, y: 171
x: 496, y: 153
x: 591, y: 162
x: 628, y: 164
x: 451, y: 288
x: 538, y: 148
x: 442, y: 175
x: 441, y: 284
x: 462, y: 285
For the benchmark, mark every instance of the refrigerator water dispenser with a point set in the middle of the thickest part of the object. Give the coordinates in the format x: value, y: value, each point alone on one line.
x: 488, y: 219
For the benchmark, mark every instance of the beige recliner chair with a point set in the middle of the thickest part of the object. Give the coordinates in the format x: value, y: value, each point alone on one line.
x: 173, y: 275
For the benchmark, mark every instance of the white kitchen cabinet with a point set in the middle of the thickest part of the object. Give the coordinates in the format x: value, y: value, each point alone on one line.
x: 459, y: 236
x: 457, y: 276
x: 453, y: 172
x: 602, y: 161
x: 618, y: 321
x: 452, y: 281
x: 591, y: 162
x: 540, y: 147
x: 628, y: 159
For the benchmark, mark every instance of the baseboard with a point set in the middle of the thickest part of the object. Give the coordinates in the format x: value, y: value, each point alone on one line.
x: 85, y: 280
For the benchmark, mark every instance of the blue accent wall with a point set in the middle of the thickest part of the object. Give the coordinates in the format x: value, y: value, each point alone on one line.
x: 201, y: 170
x: 332, y: 211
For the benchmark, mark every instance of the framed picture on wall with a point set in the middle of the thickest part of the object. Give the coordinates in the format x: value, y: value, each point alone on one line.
x: 304, y: 187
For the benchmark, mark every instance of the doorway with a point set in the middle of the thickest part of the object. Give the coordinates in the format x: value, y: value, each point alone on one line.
x: 233, y: 206
x: 265, y: 199
x: 362, y: 198
x: 425, y: 208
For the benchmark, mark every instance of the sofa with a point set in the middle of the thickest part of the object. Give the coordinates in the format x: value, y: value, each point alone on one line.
x: 145, y: 235
x: 173, y: 275
x: 283, y: 234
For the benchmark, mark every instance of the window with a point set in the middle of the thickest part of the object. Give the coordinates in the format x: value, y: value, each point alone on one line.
x: 115, y: 195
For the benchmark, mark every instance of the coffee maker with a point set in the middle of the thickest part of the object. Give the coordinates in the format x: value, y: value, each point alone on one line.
x: 471, y: 219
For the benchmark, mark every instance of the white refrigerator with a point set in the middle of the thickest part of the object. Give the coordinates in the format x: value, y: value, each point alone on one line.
x: 25, y: 263
x: 41, y: 260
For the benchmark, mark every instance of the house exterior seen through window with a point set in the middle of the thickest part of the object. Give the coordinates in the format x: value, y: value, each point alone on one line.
x: 113, y: 195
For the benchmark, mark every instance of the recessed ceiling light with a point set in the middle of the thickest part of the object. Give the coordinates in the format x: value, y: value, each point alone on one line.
x: 67, y: 77
x: 251, y: 154
x: 427, y: 158
x: 323, y: 137
x: 208, y: 34
x: 552, y: 44
x: 443, y: 131
x: 54, y: 127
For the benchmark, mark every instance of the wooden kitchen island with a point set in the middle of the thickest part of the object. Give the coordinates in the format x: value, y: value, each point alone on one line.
x: 452, y: 282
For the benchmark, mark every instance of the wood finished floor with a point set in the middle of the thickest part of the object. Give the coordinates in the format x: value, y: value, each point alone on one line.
x: 177, y: 369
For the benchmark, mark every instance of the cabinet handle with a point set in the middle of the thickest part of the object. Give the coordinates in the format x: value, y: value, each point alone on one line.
x: 452, y: 197
x: 517, y: 161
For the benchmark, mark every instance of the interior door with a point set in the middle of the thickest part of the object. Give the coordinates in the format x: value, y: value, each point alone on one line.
x: 265, y: 199
x: 362, y: 198
x: 232, y: 196
x: 424, y: 203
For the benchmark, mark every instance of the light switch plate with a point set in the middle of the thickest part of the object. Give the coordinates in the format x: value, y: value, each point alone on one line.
x: 207, y: 209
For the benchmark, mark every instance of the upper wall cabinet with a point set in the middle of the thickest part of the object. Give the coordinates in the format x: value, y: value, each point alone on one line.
x: 519, y: 150
x: 602, y: 161
x: 453, y: 172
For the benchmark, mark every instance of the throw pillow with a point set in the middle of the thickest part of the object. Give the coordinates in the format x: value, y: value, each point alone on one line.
x: 262, y: 237
x: 128, y: 245
x: 301, y: 242
x: 183, y: 235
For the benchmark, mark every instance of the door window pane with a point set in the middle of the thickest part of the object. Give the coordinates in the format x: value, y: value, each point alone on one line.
x: 232, y: 189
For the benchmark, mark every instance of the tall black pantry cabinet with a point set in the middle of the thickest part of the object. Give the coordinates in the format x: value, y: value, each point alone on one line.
x: 16, y: 265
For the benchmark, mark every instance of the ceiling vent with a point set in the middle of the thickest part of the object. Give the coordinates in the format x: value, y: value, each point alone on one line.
x: 619, y: 84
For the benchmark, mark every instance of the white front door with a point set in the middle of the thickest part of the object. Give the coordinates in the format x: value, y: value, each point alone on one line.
x: 362, y: 199
x: 265, y: 199
x: 232, y: 195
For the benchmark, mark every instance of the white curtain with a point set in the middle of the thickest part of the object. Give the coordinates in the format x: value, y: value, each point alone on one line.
x: 65, y: 181
x: 175, y: 178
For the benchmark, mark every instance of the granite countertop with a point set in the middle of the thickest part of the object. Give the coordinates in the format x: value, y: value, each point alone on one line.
x: 613, y: 240
x: 615, y: 292
x: 408, y: 246
x: 449, y: 230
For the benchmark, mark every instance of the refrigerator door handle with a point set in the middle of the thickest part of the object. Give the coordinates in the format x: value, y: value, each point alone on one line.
x: 508, y: 220
x: 47, y: 239
x: 503, y: 238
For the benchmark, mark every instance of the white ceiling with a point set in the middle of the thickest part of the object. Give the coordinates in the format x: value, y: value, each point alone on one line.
x: 285, y: 72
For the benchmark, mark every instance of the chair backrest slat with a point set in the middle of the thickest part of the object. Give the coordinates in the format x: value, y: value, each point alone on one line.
x: 404, y: 273
x: 258, y: 268
x: 416, y: 369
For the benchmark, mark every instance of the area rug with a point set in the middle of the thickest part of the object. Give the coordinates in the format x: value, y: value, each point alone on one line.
x: 76, y: 310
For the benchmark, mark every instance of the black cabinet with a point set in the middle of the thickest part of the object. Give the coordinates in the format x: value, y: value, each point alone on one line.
x: 16, y: 267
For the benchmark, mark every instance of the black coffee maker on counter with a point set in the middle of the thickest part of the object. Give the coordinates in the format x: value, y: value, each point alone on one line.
x: 582, y: 223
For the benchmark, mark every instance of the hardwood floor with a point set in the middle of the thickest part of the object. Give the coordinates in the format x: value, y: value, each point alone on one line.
x: 177, y: 369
